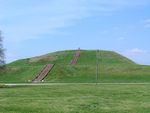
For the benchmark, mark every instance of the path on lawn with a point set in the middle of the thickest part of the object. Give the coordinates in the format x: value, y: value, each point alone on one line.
x: 50, y: 84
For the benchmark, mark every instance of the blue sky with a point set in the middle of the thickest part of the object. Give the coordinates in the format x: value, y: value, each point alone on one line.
x: 35, y: 27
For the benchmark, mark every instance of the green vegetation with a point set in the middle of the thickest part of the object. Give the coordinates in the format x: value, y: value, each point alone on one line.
x: 3, y: 86
x: 76, y: 99
x: 112, y: 68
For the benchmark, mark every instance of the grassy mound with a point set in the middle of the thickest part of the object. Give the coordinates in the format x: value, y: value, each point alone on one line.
x: 112, y: 68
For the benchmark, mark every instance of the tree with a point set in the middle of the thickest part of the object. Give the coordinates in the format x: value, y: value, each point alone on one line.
x: 2, y: 55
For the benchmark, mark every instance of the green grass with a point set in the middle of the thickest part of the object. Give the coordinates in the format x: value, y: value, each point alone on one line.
x: 77, y: 98
x: 19, y: 73
x: 112, y: 68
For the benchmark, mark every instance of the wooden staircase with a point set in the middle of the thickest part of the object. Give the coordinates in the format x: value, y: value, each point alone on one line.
x: 75, y: 58
x: 44, y: 72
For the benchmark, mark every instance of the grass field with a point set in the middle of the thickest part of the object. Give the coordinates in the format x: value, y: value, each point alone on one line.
x: 76, y: 98
x: 122, y: 85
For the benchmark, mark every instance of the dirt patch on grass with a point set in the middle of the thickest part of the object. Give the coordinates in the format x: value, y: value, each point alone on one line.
x: 42, y: 59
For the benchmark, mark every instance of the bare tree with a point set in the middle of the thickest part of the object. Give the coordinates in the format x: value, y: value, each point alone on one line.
x: 2, y: 55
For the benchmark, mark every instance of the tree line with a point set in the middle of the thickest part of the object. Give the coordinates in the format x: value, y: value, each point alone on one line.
x: 2, y: 50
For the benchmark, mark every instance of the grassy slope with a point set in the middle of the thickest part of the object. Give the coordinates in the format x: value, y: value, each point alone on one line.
x: 112, y: 68
x: 76, y: 99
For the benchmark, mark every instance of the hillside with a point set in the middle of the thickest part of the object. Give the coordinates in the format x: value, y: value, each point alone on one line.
x: 112, y: 68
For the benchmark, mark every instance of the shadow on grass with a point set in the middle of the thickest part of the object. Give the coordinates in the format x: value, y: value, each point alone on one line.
x: 13, y: 86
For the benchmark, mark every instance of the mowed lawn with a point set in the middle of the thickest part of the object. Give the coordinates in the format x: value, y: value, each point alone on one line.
x: 76, y: 98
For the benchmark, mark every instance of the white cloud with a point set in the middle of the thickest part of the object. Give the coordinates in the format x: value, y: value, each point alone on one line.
x: 140, y: 56
x: 135, y: 52
x: 121, y: 38
x: 147, y: 23
x: 29, y: 22
x: 22, y: 20
x: 111, y: 5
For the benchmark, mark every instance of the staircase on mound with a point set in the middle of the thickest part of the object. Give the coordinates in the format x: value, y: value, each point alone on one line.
x: 44, y: 72
x: 76, y: 57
